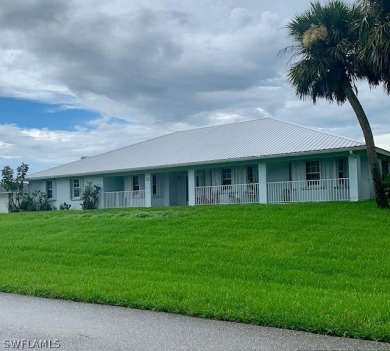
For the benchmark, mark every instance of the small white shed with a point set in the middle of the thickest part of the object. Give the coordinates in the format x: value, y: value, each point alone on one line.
x: 4, y: 198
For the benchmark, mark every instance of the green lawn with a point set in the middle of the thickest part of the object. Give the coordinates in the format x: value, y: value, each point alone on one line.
x: 317, y: 267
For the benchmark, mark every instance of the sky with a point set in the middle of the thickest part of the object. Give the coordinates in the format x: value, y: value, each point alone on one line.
x: 79, y: 78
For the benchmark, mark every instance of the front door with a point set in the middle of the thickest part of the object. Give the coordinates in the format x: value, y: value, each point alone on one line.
x: 178, y: 186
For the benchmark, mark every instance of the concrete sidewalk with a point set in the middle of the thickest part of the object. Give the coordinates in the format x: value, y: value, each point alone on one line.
x: 31, y: 323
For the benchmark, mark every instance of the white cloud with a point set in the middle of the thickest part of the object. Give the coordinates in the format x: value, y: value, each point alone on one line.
x: 47, y: 148
x: 159, y: 66
x: 383, y: 141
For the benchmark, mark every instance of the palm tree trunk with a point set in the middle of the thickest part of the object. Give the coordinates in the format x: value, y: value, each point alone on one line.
x: 379, y: 188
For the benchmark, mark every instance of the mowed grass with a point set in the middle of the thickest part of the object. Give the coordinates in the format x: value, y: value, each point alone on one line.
x: 321, y: 267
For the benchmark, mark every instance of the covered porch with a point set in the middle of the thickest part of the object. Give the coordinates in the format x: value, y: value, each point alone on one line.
x: 300, y: 180
x: 146, y: 190
x: 304, y: 180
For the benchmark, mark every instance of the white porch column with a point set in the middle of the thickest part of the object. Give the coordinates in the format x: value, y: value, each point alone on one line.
x: 354, y: 176
x: 191, y: 187
x: 148, y: 190
x: 262, y: 171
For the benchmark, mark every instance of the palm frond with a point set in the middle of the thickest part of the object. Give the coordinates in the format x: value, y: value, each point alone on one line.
x: 323, y: 65
x: 373, y: 49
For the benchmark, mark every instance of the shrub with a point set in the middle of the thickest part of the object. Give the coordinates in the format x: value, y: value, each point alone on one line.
x: 387, y: 185
x: 36, y: 202
x: 65, y: 206
x: 90, y: 197
x: 26, y: 203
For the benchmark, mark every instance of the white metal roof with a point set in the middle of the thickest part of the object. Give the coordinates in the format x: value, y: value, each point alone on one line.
x: 258, y: 138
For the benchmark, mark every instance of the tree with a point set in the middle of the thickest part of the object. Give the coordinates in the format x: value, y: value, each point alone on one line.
x: 373, y: 28
x: 21, y: 200
x: 382, y: 5
x: 14, y: 184
x: 327, y: 66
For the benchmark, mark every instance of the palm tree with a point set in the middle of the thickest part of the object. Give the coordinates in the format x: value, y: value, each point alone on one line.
x: 373, y: 28
x: 381, y: 5
x: 326, y: 66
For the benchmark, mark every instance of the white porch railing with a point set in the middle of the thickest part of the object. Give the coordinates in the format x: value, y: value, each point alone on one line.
x: 309, y: 190
x: 124, y: 199
x: 227, y: 194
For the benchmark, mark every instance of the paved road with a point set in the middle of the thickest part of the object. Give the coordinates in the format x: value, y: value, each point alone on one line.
x: 38, y: 324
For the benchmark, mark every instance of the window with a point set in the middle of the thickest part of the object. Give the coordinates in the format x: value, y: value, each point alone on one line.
x: 49, y: 190
x: 342, y: 168
x: 385, y: 169
x: 250, y: 175
x: 135, y: 183
x: 313, y: 172
x: 226, y: 176
x: 156, y: 185
x: 75, y: 186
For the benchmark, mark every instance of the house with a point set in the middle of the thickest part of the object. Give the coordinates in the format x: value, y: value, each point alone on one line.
x: 258, y: 161
x: 4, y: 198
